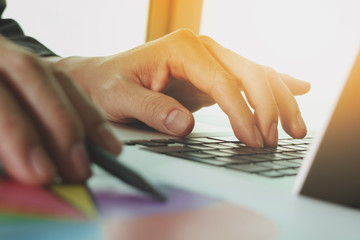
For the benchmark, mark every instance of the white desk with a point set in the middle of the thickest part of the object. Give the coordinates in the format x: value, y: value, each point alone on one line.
x: 295, y: 217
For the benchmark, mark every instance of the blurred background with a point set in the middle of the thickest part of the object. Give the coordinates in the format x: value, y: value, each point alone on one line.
x: 313, y: 40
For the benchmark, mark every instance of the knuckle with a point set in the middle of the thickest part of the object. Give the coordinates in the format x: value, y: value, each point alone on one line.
x: 224, y: 83
x: 205, y: 38
x: 96, y: 123
x: 270, y: 70
x: 59, y: 73
x: 17, y: 133
x: 293, y: 104
x: 254, y: 67
x: 68, y: 127
x: 185, y: 33
x: 184, y: 36
x: 271, y: 108
x: 62, y: 76
x: 25, y: 61
x: 13, y: 126
x: 150, y: 105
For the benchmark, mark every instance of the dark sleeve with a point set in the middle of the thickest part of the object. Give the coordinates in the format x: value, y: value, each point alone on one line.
x: 12, y: 31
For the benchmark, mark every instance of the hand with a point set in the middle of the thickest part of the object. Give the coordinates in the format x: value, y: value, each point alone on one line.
x: 44, y: 120
x: 151, y: 82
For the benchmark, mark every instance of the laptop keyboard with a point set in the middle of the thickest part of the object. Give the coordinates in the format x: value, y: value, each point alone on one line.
x: 229, y: 152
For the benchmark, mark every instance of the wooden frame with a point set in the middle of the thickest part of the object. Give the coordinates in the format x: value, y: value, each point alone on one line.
x: 166, y: 16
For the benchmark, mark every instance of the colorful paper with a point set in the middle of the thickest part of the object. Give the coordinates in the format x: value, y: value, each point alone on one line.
x: 186, y: 215
x: 124, y: 214
x: 78, y: 196
x: 51, y: 229
x: 112, y: 204
x: 220, y: 221
x: 19, y: 198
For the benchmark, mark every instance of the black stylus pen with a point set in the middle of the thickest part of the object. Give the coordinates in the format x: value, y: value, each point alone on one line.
x: 108, y: 162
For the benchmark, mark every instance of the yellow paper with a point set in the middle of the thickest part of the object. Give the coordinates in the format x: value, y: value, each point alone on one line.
x: 78, y: 196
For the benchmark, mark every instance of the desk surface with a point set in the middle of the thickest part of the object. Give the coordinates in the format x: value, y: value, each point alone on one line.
x: 295, y: 217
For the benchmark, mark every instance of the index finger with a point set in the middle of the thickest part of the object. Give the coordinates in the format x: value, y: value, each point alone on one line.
x: 191, y: 61
x: 255, y: 81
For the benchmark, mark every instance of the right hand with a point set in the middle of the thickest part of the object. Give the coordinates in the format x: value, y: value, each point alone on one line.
x: 45, y: 120
x: 161, y: 81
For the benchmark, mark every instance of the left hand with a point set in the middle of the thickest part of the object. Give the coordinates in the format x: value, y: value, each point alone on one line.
x: 160, y: 81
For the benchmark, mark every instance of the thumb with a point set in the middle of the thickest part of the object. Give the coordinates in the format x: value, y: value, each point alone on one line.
x: 161, y: 112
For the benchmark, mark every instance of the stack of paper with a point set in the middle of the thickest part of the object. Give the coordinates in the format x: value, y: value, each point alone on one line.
x: 112, y: 210
x: 57, y: 201
x: 56, y: 212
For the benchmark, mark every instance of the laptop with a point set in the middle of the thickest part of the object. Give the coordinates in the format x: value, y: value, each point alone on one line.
x: 324, y: 166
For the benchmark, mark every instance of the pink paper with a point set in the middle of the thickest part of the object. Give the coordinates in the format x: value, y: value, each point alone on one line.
x: 16, y: 197
x: 220, y: 221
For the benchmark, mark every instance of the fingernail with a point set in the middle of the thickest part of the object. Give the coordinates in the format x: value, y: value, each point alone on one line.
x: 41, y: 163
x: 177, y: 121
x: 108, y: 138
x: 273, y: 134
x: 259, y: 140
x: 301, y: 123
x: 80, y: 161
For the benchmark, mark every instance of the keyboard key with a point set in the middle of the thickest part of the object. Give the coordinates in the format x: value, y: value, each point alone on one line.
x: 233, y: 144
x: 296, y: 154
x: 254, y: 158
x: 229, y: 139
x: 217, y: 146
x: 285, y: 142
x: 272, y: 165
x: 168, y: 141
x: 272, y: 174
x: 210, y: 161
x: 289, y: 164
x: 206, y: 140
x: 298, y: 161
x: 276, y: 156
x: 289, y: 172
x: 280, y: 149
x: 218, y: 153
x: 170, y: 149
x: 135, y: 142
x: 237, y: 151
x: 298, y: 147
x: 307, y: 140
x: 273, y: 150
x: 231, y: 160
x: 187, y: 141
x: 153, y: 144
x: 198, y: 154
x: 252, y: 150
x: 300, y: 141
x: 201, y: 147
x: 251, y: 168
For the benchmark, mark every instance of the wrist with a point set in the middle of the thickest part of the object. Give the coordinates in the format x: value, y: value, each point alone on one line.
x: 77, y: 67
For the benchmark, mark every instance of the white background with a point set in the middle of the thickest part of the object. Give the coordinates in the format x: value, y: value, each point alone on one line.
x: 82, y: 27
x: 314, y: 40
